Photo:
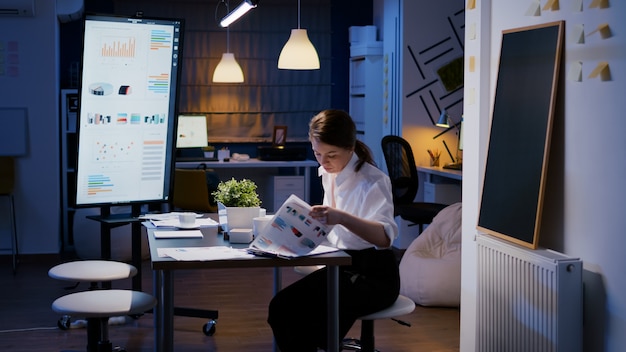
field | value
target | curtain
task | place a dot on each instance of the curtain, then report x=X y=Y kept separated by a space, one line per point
x=242 y=112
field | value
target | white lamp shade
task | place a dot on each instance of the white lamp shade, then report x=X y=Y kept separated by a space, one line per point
x=298 y=53
x=228 y=70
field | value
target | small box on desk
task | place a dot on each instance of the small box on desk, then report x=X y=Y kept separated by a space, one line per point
x=240 y=236
x=281 y=153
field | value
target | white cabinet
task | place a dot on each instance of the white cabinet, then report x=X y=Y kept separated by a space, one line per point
x=443 y=193
x=366 y=95
x=281 y=187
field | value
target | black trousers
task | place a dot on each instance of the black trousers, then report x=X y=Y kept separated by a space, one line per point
x=298 y=313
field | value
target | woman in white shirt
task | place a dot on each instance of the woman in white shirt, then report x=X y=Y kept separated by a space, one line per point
x=358 y=202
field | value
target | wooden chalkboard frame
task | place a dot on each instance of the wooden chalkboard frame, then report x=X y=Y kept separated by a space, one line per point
x=521 y=126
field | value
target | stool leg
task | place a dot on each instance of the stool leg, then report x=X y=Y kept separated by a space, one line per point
x=104 y=344
x=367 y=335
x=14 y=238
x=97 y=333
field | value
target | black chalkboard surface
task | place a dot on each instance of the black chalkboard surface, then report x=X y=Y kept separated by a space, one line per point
x=521 y=126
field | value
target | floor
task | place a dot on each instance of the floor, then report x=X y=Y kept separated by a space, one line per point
x=27 y=322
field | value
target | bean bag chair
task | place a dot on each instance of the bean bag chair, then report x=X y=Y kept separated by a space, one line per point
x=430 y=269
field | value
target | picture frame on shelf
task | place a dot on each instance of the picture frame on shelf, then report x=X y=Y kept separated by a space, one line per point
x=280 y=136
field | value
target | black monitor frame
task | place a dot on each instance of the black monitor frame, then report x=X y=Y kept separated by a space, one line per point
x=128 y=101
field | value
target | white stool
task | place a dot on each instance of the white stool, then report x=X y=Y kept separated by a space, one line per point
x=98 y=306
x=96 y=272
x=403 y=305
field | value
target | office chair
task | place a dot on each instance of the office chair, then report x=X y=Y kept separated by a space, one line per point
x=191 y=191
x=7 y=183
x=405 y=183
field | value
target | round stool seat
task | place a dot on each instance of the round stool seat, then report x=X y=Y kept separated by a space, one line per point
x=403 y=305
x=104 y=303
x=92 y=270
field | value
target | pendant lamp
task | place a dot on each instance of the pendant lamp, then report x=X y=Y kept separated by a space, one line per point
x=228 y=70
x=298 y=53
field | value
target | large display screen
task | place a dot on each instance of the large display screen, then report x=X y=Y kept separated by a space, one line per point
x=128 y=109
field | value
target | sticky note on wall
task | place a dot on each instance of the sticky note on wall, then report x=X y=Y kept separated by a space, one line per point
x=551 y=5
x=602 y=70
x=603 y=4
x=575 y=73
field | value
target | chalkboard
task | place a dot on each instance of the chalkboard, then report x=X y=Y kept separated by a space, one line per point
x=521 y=126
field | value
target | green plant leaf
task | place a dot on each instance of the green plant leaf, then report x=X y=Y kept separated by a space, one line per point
x=233 y=193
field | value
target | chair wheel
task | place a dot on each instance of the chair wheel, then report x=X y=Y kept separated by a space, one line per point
x=64 y=322
x=209 y=328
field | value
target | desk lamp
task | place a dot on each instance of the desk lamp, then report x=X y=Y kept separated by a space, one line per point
x=445 y=121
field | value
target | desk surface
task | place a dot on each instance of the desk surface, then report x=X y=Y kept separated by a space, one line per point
x=212 y=238
x=439 y=171
x=251 y=163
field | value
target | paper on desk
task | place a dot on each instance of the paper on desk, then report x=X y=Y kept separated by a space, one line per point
x=321 y=249
x=202 y=222
x=203 y=253
x=177 y=234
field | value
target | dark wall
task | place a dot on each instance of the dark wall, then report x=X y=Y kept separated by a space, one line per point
x=343 y=14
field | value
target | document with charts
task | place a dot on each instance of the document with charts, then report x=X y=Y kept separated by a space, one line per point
x=291 y=232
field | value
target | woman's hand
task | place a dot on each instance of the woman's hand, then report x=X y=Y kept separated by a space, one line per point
x=325 y=214
x=371 y=231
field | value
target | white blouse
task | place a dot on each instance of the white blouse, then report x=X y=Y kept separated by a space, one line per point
x=366 y=194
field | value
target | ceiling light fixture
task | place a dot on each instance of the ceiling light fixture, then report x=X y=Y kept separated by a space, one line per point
x=228 y=70
x=238 y=12
x=298 y=53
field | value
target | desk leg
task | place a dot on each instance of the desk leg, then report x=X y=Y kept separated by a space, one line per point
x=278 y=285
x=164 y=311
x=333 y=308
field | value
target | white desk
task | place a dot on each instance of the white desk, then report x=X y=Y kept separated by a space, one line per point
x=300 y=167
x=164 y=268
x=441 y=185
x=431 y=171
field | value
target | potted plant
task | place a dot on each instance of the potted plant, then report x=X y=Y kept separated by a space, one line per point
x=209 y=151
x=237 y=203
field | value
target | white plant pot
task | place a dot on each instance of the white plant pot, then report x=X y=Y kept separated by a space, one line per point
x=237 y=217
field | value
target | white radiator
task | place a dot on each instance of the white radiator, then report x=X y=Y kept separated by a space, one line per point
x=528 y=300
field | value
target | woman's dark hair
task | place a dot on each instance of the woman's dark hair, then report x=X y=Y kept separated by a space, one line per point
x=335 y=127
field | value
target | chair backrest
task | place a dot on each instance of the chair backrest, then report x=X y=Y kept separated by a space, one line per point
x=401 y=167
x=191 y=191
x=7 y=174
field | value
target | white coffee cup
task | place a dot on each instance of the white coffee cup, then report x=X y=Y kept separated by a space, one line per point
x=187 y=219
x=259 y=223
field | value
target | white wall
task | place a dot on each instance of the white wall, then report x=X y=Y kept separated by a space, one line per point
x=583 y=210
x=33 y=83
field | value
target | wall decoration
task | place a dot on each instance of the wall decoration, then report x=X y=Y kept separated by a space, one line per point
x=551 y=5
x=451 y=74
x=602 y=4
x=575 y=73
x=603 y=29
x=435 y=60
x=534 y=9
x=602 y=70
